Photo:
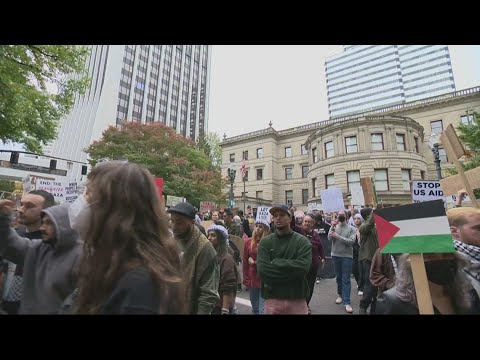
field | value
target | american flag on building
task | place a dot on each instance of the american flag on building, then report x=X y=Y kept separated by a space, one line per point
x=244 y=169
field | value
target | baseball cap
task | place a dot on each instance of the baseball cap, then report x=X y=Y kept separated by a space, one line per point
x=283 y=208
x=185 y=209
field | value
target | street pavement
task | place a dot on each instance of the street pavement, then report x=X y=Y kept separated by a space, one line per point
x=322 y=303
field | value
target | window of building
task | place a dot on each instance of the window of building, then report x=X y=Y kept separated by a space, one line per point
x=422 y=175
x=437 y=126
x=329 y=149
x=467 y=119
x=304 y=171
x=232 y=157
x=417 y=147
x=288 y=173
x=259 y=174
x=381 y=179
x=314 y=187
x=289 y=197
x=401 y=142
x=329 y=181
x=259 y=194
x=245 y=155
x=351 y=144
x=260 y=153
x=406 y=177
x=303 y=149
x=304 y=196
x=443 y=156
x=69 y=165
x=246 y=176
x=353 y=179
x=377 y=141
x=314 y=155
x=288 y=151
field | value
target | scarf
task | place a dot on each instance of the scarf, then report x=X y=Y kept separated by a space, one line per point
x=473 y=252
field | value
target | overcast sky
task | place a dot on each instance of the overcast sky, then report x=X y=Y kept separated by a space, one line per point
x=254 y=84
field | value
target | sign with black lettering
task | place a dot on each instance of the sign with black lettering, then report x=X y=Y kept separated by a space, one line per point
x=426 y=190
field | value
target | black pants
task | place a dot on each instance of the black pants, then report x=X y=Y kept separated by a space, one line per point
x=11 y=307
x=369 y=297
x=356 y=269
x=311 y=277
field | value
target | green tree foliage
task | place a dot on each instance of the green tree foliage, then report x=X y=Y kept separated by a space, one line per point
x=186 y=171
x=37 y=87
x=210 y=145
x=6 y=185
x=469 y=135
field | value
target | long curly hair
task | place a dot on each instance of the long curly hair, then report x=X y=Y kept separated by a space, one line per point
x=256 y=238
x=128 y=229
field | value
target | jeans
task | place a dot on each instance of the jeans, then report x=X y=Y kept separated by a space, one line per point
x=369 y=297
x=258 y=303
x=343 y=269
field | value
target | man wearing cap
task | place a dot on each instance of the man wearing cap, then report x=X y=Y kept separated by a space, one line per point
x=199 y=261
x=283 y=261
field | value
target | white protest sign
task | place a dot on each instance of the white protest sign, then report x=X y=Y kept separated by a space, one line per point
x=315 y=206
x=26 y=184
x=263 y=213
x=426 y=190
x=332 y=199
x=357 y=196
x=56 y=188
x=71 y=191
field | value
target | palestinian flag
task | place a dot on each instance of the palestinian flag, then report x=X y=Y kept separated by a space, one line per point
x=414 y=228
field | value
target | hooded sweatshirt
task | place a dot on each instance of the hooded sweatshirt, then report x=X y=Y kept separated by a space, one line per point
x=48 y=270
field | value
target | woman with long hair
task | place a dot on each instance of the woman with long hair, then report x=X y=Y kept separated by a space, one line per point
x=250 y=275
x=130 y=264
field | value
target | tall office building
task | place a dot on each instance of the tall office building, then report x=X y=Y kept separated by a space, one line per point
x=144 y=83
x=369 y=77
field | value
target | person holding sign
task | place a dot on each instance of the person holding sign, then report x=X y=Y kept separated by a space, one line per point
x=450 y=289
x=283 y=262
x=49 y=262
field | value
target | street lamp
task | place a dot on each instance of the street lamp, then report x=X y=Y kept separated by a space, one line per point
x=231 y=176
x=433 y=144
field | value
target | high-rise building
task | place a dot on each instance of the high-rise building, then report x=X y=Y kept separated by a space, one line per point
x=367 y=77
x=144 y=83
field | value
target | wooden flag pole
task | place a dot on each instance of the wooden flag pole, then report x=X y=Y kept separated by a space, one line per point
x=422 y=289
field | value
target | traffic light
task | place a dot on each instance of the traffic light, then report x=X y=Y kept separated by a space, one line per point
x=84 y=169
x=53 y=164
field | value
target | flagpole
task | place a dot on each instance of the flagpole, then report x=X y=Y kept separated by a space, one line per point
x=244 y=195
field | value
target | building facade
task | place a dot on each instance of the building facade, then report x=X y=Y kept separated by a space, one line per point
x=368 y=77
x=144 y=83
x=394 y=139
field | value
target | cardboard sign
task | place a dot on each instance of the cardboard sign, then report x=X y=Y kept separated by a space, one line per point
x=332 y=199
x=55 y=188
x=455 y=150
x=263 y=213
x=357 y=196
x=71 y=191
x=368 y=191
x=452 y=184
x=426 y=190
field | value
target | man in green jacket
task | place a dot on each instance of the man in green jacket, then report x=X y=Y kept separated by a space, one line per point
x=283 y=261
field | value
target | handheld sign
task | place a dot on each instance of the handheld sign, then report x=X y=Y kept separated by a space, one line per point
x=332 y=199
x=263 y=213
